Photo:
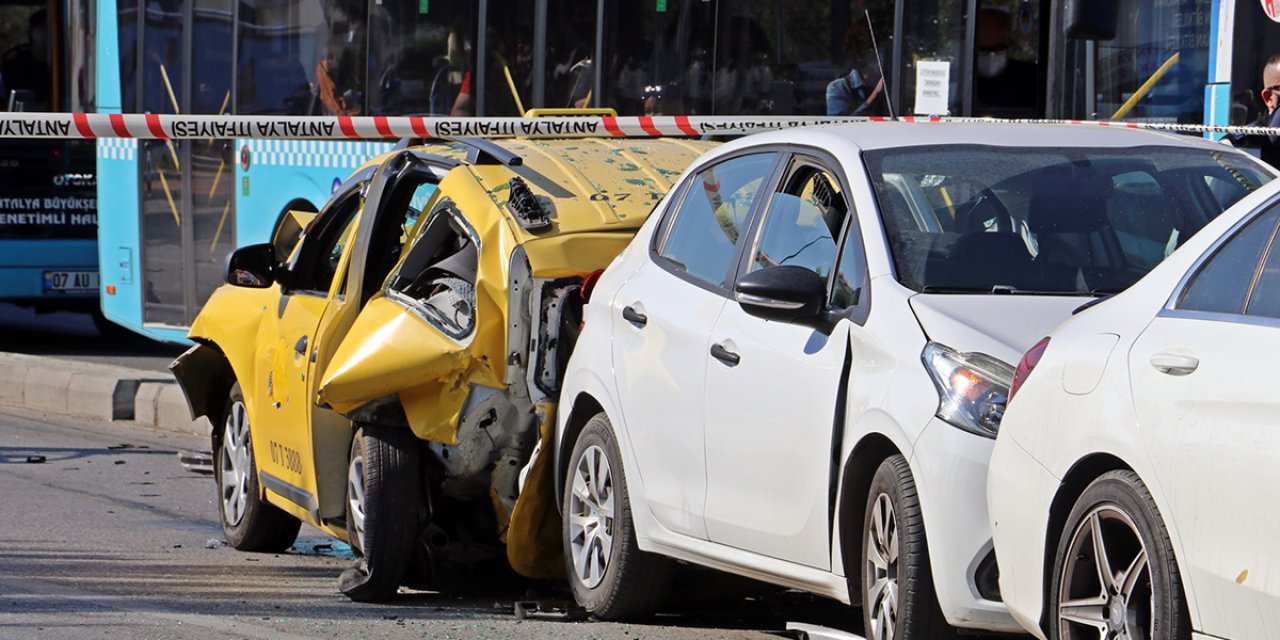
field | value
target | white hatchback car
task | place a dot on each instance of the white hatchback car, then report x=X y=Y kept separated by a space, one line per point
x=798 y=366
x=1133 y=486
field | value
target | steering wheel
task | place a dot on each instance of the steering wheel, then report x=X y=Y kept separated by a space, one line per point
x=967 y=220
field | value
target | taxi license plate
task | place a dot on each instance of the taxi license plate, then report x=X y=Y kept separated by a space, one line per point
x=71 y=281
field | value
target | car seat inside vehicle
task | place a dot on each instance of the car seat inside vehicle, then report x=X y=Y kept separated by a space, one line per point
x=1067 y=214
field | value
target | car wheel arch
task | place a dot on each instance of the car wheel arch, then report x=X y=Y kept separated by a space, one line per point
x=1073 y=485
x=855 y=482
x=585 y=406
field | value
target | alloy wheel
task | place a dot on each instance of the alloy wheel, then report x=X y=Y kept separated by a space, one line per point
x=591 y=516
x=1105 y=591
x=355 y=497
x=882 y=570
x=236 y=464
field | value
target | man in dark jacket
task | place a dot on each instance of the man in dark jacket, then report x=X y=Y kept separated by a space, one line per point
x=1269 y=145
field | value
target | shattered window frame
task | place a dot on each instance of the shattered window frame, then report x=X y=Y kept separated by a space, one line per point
x=444 y=206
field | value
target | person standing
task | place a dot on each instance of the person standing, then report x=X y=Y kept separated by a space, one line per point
x=1268 y=145
x=849 y=95
x=1005 y=86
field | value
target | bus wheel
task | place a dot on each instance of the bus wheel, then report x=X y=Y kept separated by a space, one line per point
x=383 y=494
x=248 y=522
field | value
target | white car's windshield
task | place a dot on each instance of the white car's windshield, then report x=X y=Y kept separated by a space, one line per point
x=1073 y=221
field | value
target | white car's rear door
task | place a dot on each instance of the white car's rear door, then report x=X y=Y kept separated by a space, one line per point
x=662 y=322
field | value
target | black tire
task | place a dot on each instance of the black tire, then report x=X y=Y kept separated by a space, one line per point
x=905 y=605
x=249 y=523
x=1119 y=508
x=392 y=507
x=631 y=582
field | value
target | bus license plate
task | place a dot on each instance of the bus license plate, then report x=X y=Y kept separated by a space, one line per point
x=71 y=281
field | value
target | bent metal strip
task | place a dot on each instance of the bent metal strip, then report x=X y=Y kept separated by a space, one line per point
x=196 y=127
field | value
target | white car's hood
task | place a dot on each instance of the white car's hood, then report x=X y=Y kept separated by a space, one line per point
x=1001 y=326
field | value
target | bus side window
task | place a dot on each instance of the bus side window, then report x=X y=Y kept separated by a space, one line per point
x=25 y=76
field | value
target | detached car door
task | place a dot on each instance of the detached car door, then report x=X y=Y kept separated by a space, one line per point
x=773 y=388
x=1208 y=402
x=662 y=321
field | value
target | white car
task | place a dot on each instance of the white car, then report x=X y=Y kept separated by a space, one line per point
x=798 y=366
x=1133 y=486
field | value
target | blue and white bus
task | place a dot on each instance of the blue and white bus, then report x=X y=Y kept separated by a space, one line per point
x=170 y=212
x=48 y=199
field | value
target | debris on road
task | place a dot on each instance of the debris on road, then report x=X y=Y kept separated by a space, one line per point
x=805 y=631
x=553 y=610
x=196 y=461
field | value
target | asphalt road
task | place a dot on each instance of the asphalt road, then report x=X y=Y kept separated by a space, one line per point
x=109 y=536
x=72 y=336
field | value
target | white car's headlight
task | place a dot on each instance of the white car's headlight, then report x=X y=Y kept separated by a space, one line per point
x=973 y=388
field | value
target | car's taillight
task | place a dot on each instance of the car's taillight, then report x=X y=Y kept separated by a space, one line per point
x=589 y=284
x=1025 y=366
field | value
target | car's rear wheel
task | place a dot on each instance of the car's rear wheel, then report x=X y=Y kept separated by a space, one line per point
x=1114 y=574
x=248 y=522
x=898 y=599
x=609 y=575
x=383 y=510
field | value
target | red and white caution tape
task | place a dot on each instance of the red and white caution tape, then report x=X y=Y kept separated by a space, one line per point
x=177 y=127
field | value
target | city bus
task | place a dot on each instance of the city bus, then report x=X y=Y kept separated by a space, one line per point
x=171 y=211
x=48 y=194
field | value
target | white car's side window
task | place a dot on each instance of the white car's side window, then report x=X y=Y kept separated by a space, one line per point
x=1264 y=300
x=701 y=239
x=803 y=223
x=1224 y=281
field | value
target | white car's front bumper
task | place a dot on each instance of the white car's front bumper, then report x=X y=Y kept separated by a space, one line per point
x=1019 y=495
x=950 y=469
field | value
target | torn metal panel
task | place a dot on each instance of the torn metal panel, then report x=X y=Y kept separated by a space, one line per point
x=386 y=351
x=534 y=546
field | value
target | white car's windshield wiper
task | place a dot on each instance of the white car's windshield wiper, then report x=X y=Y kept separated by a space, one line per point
x=1001 y=289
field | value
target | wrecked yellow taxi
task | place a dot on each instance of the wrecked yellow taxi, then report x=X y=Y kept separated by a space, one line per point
x=387 y=369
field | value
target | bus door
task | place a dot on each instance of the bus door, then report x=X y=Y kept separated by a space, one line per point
x=187 y=222
x=977 y=58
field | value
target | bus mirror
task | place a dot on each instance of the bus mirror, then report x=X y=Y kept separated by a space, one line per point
x=1090 y=19
x=252 y=266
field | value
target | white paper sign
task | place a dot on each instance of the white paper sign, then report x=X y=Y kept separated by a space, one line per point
x=933 y=87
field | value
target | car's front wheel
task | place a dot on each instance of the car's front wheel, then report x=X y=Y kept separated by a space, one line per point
x=1114 y=573
x=609 y=575
x=898 y=600
x=248 y=522
x=384 y=501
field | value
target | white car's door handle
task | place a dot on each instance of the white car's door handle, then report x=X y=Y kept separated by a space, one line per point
x=1174 y=364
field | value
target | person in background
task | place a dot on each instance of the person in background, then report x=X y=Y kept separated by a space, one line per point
x=849 y=95
x=1269 y=145
x=26 y=67
x=1003 y=83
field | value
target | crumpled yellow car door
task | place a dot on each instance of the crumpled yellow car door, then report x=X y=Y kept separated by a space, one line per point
x=389 y=351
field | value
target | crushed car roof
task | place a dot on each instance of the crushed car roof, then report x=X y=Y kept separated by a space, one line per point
x=584 y=185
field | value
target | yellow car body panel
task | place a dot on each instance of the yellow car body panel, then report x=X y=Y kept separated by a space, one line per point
x=301 y=397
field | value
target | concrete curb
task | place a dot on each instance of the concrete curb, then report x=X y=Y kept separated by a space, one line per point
x=102 y=392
